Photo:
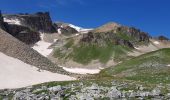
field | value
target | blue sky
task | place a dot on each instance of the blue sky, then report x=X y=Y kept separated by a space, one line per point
x=152 y=16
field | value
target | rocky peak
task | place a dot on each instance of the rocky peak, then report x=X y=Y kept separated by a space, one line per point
x=40 y=21
x=107 y=27
x=1 y=22
x=64 y=28
x=163 y=38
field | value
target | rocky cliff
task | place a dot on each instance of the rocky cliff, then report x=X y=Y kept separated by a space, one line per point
x=63 y=28
x=37 y=22
x=120 y=34
x=1 y=22
x=163 y=38
x=23 y=33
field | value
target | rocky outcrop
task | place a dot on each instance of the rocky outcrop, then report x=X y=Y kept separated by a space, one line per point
x=38 y=22
x=65 y=29
x=117 y=34
x=1 y=22
x=163 y=38
x=23 y=33
x=14 y=48
x=135 y=34
x=104 y=38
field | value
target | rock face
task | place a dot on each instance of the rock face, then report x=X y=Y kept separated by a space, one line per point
x=64 y=29
x=136 y=34
x=14 y=48
x=38 y=22
x=1 y=22
x=23 y=33
x=103 y=38
x=163 y=38
x=117 y=34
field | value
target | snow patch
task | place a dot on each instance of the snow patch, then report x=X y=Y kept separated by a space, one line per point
x=137 y=48
x=82 y=70
x=17 y=74
x=59 y=31
x=80 y=29
x=156 y=42
x=43 y=47
x=12 y=21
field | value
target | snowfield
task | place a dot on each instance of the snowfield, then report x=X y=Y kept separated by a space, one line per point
x=156 y=42
x=42 y=47
x=17 y=74
x=80 y=29
x=12 y=21
x=82 y=70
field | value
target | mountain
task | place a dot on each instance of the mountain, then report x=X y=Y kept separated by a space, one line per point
x=67 y=28
x=115 y=61
x=100 y=47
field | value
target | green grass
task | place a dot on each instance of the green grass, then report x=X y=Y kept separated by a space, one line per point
x=124 y=36
x=150 y=67
x=69 y=44
x=85 y=53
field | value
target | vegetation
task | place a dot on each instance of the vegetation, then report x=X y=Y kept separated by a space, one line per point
x=85 y=53
x=151 y=67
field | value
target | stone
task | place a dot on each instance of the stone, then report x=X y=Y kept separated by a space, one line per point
x=156 y=92
x=114 y=93
x=55 y=88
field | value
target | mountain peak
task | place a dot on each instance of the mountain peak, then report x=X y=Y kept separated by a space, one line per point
x=108 y=27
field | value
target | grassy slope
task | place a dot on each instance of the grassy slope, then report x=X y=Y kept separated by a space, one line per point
x=85 y=53
x=151 y=67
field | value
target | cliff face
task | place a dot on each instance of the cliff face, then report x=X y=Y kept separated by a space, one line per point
x=63 y=28
x=37 y=22
x=117 y=34
x=1 y=22
x=136 y=34
x=104 y=38
x=23 y=33
x=162 y=38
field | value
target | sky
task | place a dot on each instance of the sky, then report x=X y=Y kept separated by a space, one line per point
x=152 y=16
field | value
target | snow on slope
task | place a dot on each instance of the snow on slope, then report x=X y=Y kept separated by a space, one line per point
x=42 y=47
x=82 y=70
x=17 y=74
x=12 y=21
x=80 y=29
x=156 y=42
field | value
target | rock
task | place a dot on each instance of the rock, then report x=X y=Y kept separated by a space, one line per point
x=55 y=88
x=156 y=92
x=113 y=93
x=38 y=22
x=1 y=22
x=23 y=33
x=64 y=29
x=163 y=38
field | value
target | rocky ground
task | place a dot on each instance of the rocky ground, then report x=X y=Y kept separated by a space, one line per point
x=89 y=91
